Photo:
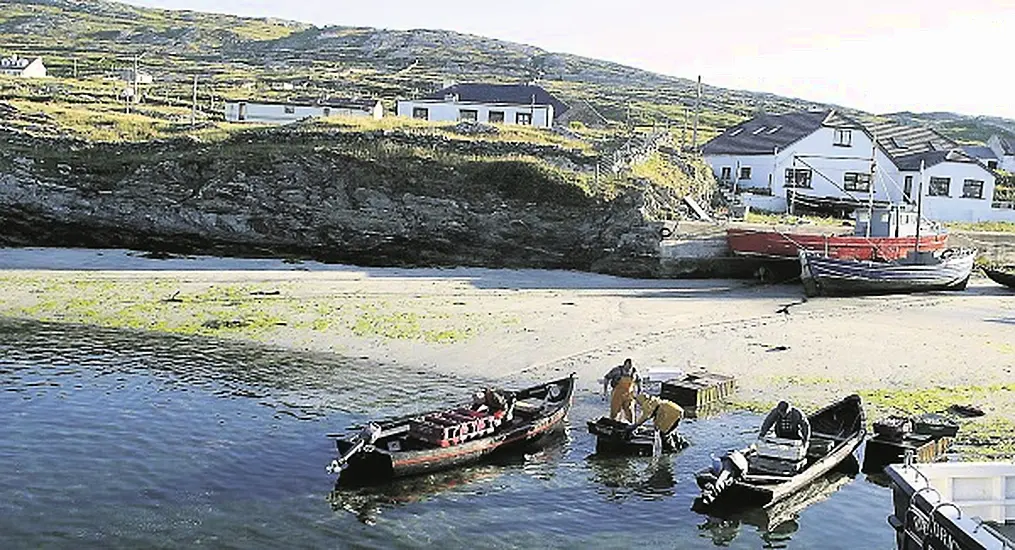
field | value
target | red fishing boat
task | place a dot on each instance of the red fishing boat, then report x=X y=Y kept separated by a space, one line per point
x=892 y=235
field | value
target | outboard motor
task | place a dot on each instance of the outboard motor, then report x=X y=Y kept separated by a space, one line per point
x=367 y=437
x=731 y=467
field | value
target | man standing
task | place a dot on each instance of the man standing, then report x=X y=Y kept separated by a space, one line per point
x=789 y=423
x=624 y=381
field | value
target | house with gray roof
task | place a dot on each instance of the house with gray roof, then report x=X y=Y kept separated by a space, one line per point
x=1004 y=148
x=522 y=104
x=826 y=161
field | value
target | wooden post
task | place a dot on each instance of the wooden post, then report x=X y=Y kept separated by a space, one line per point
x=697 y=115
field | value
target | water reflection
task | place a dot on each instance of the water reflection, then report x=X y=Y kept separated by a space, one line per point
x=622 y=477
x=777 y=523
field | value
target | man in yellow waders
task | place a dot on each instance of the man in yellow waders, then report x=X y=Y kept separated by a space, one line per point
x=665 y=417
x=624 y=380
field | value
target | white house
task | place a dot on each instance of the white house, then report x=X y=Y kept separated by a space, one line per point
x=1004 y=148
x=523 y=104
x=22 y=67
x=277 y=112
x=822 y=160
x=140 y=77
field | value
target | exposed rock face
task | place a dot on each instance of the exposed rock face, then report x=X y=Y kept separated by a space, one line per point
x=282 y=194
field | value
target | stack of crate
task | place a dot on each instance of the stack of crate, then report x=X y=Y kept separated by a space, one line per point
x=698 y=390
x=455 y=426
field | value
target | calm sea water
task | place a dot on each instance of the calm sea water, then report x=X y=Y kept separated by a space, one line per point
x=123 y=440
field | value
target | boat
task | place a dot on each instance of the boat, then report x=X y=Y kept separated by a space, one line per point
x=613 y=437
x=955 y=505
x=1002 y=275
x=446 y=438
x=920 y=272
x=925 y=438
x=890 y=239
x=836 y=432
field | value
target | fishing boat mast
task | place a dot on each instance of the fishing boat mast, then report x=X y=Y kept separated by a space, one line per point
x=871 y=187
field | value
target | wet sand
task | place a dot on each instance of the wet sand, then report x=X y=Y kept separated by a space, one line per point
x=918 y=351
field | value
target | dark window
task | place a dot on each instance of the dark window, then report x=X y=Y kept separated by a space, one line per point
x=939 y=187
x=726 y=173
x=798 y=177
x=496 y=117
x=992 y=164
x=468 y=114
x=327 y=111
x=523 y=118
x=844 y=138
x=289 y=109
x=243 y=112
x=855 y=181
x=421 y=113
x=972 y=189
x=745 y=172
x=907 y=188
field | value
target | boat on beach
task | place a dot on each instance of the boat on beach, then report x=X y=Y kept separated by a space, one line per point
x=954 y=506
x=920 y=272
x=892 y=235
x=1002 y=275
x=836 y=432
x=446 y=438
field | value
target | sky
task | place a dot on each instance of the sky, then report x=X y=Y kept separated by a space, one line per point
x=875 y=55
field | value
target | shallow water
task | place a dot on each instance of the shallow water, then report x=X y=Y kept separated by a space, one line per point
x=124 y=440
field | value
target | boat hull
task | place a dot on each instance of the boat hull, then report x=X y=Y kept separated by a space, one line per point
x=377 y=465
x=778 y=245
x=823 y=276
x=842 y=424
x=1004 y=277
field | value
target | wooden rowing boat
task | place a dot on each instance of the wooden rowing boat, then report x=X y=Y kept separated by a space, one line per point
x=836 y=432
x=822 y=276
x=443 y=439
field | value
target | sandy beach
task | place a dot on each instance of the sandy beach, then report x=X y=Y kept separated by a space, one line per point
x=900 y=352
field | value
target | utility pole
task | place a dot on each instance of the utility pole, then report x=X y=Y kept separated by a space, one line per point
x=75 y=68
x=193 y=106
x=697 y=109
x=683 y=132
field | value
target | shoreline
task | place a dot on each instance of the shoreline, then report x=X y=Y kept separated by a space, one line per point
x=900 y=353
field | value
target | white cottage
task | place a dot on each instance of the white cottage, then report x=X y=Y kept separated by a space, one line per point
x=22 y=67
x=822 y=160
x=523 y=104
x=276 y=112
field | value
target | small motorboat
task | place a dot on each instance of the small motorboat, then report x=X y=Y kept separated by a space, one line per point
x=614 y=437
x=446 y=438
x=1002 y=275
x=920 y=272
x=836 y=432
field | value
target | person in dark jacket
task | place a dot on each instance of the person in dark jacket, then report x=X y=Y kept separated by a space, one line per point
x=789 y=423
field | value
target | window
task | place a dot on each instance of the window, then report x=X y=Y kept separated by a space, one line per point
x=907 y=188
x=289 y=109
x=242 y=115
x=496 y=117
x=468 y=114
x=972 y=189
x=523 y=118
x=798 y=177
x=855 y=181
x=939 y=187
x=992 y=164
x=726 y=173
x=844 y=138
x=745 y=172
x=327 y=111
x=421 y=113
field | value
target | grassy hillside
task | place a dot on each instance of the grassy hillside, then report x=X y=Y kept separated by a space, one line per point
x=86 y=42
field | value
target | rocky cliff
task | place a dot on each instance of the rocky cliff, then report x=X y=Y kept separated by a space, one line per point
x=379 y=198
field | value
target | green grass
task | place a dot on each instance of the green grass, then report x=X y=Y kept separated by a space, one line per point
x=991 y=227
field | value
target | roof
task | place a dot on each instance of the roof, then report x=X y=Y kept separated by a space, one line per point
x=15 y=62
x=911 y=163
x=514 y=94
x=981 y=152
x=1007 y=145
x=899 y=140
x=337 y=103
x=763 y=133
